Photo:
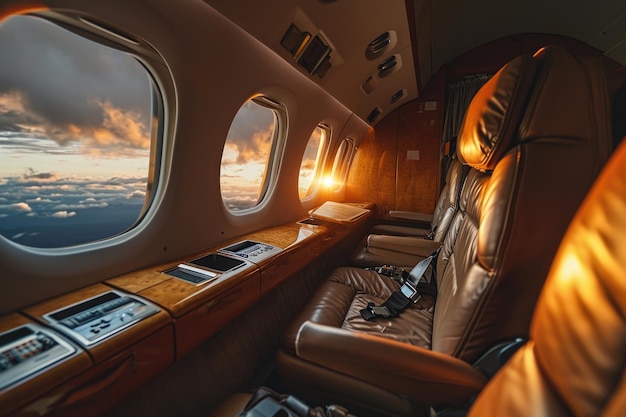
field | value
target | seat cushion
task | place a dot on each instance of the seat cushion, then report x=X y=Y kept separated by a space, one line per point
x=340 y=298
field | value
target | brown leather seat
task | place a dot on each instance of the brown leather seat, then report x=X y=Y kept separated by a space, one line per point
x=535 y=135
x=406 y=246
x=573 y=364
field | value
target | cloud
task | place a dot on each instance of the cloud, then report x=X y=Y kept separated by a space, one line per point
x=57 y=86
x=42 y=200
x=137 y=194
x=250 y=135
x=39 y=177
x=79 y=206
x=20 y=207
x=64 y=214
x=240 y=202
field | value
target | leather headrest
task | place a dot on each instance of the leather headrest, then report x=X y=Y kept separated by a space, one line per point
x=491 y=120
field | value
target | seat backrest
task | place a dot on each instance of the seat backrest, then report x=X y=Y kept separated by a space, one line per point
x=573 y=364
x=448 y=202
x=536 y=135
x=396 y=245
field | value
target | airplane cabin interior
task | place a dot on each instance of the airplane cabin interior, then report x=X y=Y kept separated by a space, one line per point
x=312 y=208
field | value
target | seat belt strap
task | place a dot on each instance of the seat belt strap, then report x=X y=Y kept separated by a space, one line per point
x=409 y=292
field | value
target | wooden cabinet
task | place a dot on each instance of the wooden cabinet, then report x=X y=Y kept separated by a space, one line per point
x=22 y=392
x=288 y=264
x=199 y=324
x=102 y=373
x=95 y=391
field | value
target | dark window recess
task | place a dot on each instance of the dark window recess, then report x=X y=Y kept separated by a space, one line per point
x=324 y=67
x=188 y=276
x=217 y=262
x=294 y=39
x=374 y=114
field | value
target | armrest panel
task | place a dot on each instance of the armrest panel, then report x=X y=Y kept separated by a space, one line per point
x=422 y=375
x=411 y=215
x=402 y=244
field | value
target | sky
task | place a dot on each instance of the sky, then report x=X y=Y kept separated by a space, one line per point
x=245 y=154
x=75 y=120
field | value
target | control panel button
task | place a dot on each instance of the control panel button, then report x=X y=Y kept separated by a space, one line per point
x=28 y=349
x=97 y=318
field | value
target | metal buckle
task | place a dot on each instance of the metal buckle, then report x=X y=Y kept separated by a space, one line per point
x=379 y=311
x=387 y=270
x=410 y=292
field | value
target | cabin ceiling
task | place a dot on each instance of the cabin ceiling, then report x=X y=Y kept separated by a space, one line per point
x=444 y=30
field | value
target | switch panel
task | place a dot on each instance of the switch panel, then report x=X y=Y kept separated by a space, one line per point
x=28 y=349
x=95 y=319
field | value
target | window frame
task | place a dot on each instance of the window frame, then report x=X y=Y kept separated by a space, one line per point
x=320 y=162
x=342 y=161
x=143 y=54
x=275 y=153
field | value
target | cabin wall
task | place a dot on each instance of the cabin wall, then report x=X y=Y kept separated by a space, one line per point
x=382 y=173
x=202 y=98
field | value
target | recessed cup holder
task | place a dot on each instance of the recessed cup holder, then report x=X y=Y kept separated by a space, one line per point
x=313 y=221
x=218 y=262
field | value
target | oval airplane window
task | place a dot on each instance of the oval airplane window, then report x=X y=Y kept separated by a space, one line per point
x=78 y=134
x=247 y=159
x=312 y=161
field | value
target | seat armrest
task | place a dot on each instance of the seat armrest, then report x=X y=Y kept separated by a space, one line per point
x=395 y=230
x=402 y=244
x=411 y=215
x=422 y=375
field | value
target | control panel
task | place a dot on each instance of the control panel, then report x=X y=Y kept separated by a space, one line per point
x=97 y=318
x=251 y=250
x=28 y=349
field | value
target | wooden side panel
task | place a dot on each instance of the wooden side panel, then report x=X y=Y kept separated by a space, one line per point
x=116 y=342
x=418 y=137
x=201 y=323
x=28 y=390
x=287 y=265
x=373 y=171
x=95 y=391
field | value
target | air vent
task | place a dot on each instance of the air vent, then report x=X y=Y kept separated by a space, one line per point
x=387 y=66
x=314 y=55
x=374 y=114
x=378 y=46
x=398 y=95
x=369 y=84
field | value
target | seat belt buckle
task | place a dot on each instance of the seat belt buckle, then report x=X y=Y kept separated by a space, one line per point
x=379 y=311
x=372 y=311
x=388 y=270
x=409 y=291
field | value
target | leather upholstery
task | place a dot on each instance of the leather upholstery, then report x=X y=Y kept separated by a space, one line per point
x=573 y=364
x=491 y=120
x=398 y=250
x=529 y=176
x=393 y=246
